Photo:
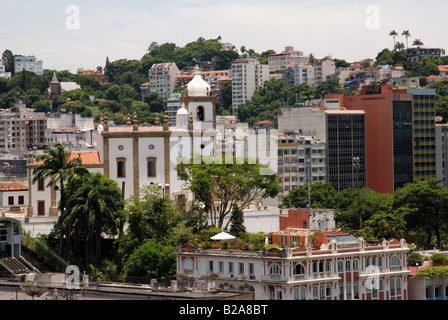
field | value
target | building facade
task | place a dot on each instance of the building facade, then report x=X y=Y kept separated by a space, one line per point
x=28 y=63
x=278 y=62
x=247 y=76
x=342 y=267
x=343 y=132
x=135 y=156
x=162 y=78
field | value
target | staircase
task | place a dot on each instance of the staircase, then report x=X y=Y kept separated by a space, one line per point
x=17 y=266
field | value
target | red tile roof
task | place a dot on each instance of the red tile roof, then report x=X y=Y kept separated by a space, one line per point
x=14 y=186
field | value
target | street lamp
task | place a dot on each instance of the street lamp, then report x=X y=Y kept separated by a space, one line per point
x=166 y=187
x=357 y=165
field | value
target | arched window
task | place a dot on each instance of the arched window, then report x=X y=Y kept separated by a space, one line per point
x=347 y=265
x=394 y=261
x=275 y=269
x=340 y=266
x=355 y=265
x=188 y=265
x=322 y=292
x=299 y=269
x=200 y=113
x=315 y=292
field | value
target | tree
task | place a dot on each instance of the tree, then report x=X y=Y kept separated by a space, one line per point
x=151 y=215
x=237 y=221
x=425 y=206
x=218 y=186
x=8 y=60
x=393 y=34
x=399 y=46
x=321 y=194
x=59 y=167
x=417 y=43
x=407 y=35
x=94 y=208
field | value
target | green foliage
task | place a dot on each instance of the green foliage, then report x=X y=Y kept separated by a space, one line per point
x=415 y=258
x=432 y=273
x=237 y=221
x=229 y=181
x=153 y=259
x=321 y=194
x=439 y=259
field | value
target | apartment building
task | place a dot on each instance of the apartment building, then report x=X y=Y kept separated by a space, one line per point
x=247 y=75
x=22 y=128
x=323 y=69
x=441 y=152
x=330 y=265
x=3 y=73
x=298 y=74
x=162 y=78
x=301 y=160
x=28 y=63
x=278 y=62
x=173 y=104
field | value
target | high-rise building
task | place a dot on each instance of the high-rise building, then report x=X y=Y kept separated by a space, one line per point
x=400 y=134
x=343 y=132
x=247 y=75
x=279 y=61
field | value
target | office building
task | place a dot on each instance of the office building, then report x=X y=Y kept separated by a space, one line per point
x=162 y=78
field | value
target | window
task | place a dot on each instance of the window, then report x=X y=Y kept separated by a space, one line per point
x=328 y=290
x=10 y=201
x=188 y=265
x=200 y=113
x=40 y=185
x=398 y=286
x=275 y=269
x=315 y=292
x=210 y=266
x=241 y=268
x=355 y=265
x=221 y=266
x=340 y=266
x=21 y=200
x=322 y=292
x=392 y=287
x=299 y=269
x=347 y=265
x=121 y=168
x=231 y=267
x=41 y=208
x=151 y=167
x=394 y=261
x=251 y=268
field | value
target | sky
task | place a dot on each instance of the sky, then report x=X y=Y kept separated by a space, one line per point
x=66 y=35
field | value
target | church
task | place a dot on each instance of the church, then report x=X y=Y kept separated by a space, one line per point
x=135 y=156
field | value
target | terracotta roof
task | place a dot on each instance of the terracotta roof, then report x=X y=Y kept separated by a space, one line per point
x=87 y=157
x=264 y=122
x=14 y=186
x=443 y=68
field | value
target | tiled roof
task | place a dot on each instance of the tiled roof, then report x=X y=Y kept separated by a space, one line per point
x=14 y=186
x=91 y=157
x=443 y=68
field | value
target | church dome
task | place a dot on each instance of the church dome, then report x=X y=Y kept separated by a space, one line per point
x=182 y=116
x=182 y=110
x=198 y=87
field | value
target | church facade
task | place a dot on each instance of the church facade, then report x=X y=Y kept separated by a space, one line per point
x=135 y=156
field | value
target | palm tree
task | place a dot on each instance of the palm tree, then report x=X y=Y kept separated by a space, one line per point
x=393 y=34
x=58 y=165
x=399 y=46
x=407 y=35
x=93 y=208
x=417 y=43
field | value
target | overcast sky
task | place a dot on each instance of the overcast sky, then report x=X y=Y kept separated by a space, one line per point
x=348 y=29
